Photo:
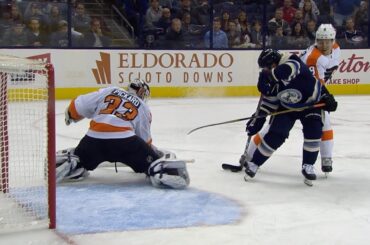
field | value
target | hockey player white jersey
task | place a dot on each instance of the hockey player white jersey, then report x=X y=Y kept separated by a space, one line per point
x=114 y=113
x=321 y=66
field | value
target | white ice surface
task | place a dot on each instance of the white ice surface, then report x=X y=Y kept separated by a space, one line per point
x=278 y=207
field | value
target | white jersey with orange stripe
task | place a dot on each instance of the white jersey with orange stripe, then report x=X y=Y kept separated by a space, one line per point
x=114 y=113
x=319 y=63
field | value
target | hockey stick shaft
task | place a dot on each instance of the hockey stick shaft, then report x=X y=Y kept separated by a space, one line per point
x=260 y=116
x=235 y=168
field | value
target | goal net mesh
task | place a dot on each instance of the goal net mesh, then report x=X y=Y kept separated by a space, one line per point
x=24 y=143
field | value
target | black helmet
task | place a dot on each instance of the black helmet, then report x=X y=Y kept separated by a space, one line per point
x=268 y=57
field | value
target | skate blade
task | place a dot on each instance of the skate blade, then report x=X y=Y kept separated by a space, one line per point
x=247 y=178
x=308 y=182
x=326 y=174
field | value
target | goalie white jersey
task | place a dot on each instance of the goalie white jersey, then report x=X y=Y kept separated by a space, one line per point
x=321 y=66
x=114 y=113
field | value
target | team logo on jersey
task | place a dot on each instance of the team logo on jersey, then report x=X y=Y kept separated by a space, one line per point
x=102 y=73
x=290 y=96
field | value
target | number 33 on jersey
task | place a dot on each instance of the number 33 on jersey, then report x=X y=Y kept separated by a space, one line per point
x=114 y=113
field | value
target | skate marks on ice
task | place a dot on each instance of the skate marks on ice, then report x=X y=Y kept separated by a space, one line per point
x=94 y=208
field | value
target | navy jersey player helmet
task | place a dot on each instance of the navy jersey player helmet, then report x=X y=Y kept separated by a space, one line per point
x=139 y=88
x=268 y=57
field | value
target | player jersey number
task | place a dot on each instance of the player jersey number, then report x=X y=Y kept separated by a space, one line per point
x=114 y=103
x=313 y=70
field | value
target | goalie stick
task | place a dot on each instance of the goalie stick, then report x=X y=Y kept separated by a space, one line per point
x=260 y=116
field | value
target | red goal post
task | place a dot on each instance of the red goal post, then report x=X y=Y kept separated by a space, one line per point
x=27 y=144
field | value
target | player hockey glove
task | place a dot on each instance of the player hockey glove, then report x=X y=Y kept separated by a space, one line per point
x=330 y=103
x=266 y=84
x=254 y=125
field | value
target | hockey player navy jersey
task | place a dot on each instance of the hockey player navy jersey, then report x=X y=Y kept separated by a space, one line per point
x=293 y=83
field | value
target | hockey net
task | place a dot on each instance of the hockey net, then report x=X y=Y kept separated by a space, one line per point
x=27 y=144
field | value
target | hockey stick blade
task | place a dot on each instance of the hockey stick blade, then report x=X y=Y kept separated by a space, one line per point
x=231 y=167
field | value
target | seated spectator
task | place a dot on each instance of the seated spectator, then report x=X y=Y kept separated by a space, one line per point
x=165 y=21
x=343 y=9
x=60 y=38
x=201 y=13
x=311 y=30
x=95 y=37
x=54 y=18
x=153 y=14
x=256 y=34
x=15 y=13
x=80 y=20
x=175 y=35
x=219 y=36
x=246 y=42
x=326 y=15
x=233 y=35
x=298 y=39
x=308 y=12
x=188 y=27
x=34 y=11
x=288 y=11
x=362 y=17
x=16 y=36
x=245 y=27
x=351 y=35
x=225 y=18
x=278 y=40
x=314 y=6
x=278 y=21
x=185 y=7
x=298 y=17
x=5 y=23
x=36 y=36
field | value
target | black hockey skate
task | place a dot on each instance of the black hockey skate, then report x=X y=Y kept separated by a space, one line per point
x=309 y=174
x=326 y=165
x=250 y=170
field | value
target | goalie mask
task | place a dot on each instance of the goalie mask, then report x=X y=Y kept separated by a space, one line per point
x=169 y=174
x=139 y=88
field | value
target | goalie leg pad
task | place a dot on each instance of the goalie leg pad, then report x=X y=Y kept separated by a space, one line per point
x=169 y=174
x=67 y=166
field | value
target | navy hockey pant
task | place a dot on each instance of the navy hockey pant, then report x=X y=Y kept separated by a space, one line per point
x=280 y=127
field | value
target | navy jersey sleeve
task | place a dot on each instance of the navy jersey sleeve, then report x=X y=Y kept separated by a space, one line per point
x=287 y=71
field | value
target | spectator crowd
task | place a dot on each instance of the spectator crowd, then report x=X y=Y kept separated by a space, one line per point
x=185 y=24
x=45 y=24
